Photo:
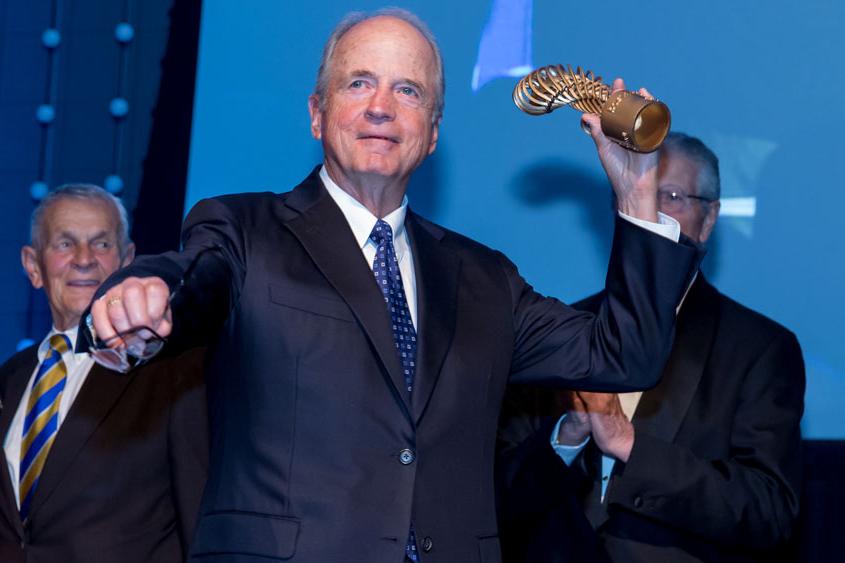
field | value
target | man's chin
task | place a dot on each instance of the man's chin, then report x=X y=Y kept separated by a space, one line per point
x=81 y=299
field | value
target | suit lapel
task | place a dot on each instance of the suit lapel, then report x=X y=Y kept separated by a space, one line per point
x=324 y=232
x=594 y=509
x=14 y=391
x=437 y=272
x=96 y=398
x=662 y=410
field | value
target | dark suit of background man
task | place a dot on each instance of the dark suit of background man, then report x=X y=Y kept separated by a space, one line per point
x=355 y=383
x=711 y=470
x=99 y=466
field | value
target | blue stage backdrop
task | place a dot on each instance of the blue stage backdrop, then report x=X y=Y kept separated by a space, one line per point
x=758 y=81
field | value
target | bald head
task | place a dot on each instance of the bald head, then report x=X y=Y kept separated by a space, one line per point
x=355 y=19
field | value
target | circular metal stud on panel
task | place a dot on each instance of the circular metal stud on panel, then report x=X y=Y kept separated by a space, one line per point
x=124 y=32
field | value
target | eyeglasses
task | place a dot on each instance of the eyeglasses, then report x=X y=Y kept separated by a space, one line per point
x=672 y=200
x=137 y=345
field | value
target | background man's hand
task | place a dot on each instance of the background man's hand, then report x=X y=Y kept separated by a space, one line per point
x=133 y=303
x=633 y=175
x=575 y=429
x=612 y=431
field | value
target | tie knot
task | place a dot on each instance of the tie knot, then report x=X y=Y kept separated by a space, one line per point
x=381 y=232
x=60 y=343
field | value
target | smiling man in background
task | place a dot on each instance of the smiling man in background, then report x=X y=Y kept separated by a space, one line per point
x=99 y=466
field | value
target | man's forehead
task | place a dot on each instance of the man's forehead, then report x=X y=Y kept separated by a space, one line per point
x=383 y=40
x=75 y=215
x=381 y=27
x=675 y=163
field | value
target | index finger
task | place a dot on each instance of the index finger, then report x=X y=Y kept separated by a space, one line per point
x=618 y=84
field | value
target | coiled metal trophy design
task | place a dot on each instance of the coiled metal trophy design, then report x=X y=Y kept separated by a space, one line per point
x=627 y=118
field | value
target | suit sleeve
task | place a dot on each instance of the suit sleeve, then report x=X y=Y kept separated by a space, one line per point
x=749 y=498
x=204 y=278
x=625 y=344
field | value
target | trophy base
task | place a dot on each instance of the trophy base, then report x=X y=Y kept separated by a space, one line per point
x=636 y=123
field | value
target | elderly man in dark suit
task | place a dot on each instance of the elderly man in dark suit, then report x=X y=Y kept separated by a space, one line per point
x=98 y=466
x=359 y=353
x=710 y=469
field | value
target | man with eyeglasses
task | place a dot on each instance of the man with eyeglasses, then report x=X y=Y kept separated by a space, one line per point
x=711 y=465
x=100 y=466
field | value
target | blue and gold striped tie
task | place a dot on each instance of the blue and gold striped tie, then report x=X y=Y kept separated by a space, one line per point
x=42 y=418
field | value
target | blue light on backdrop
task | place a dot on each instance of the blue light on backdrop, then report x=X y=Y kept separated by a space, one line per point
x=752 y=79
x=505 y=46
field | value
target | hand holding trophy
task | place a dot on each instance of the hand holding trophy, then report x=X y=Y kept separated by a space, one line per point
x=629 y=119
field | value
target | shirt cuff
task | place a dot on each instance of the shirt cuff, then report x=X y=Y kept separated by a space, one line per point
x=564 y=452
x=666 y=226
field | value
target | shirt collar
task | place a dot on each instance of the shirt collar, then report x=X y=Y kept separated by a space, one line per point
x=45 y=344
x=360 y=219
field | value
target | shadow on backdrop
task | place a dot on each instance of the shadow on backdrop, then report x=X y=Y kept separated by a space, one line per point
x=552 y=181
x=426 y=187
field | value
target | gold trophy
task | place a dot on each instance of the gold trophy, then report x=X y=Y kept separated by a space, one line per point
x=627 y=118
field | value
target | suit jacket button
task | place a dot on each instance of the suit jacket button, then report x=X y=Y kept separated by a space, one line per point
x=638 y=502
x=427 y=544
x=407 y=457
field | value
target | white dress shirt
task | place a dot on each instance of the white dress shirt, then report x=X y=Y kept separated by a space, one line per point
x=361 y=221
x=78 y=366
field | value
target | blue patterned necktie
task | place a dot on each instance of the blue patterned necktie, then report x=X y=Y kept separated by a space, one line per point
x=42 y=418
x=386 y=270
x=389 y=280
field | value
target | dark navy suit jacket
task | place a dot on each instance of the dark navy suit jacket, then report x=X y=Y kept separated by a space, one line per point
x=124 y=477
x=308 y=412
x=715 y=471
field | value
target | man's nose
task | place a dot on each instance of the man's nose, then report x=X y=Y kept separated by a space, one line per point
x=83 y=258
x=381 y=106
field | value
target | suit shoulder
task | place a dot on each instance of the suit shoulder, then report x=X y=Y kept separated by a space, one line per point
x=18 y=360
x=244 y=209
x=240 y=202
x=737 y=314
x=460 y=243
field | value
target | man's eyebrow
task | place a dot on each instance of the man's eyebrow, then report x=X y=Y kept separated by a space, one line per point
x=66 y=234
x=362 y=73
x=101 y=234
x=69 y=235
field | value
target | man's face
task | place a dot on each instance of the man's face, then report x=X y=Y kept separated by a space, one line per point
x=677 y=173
x=377 y=118
x=78 y=250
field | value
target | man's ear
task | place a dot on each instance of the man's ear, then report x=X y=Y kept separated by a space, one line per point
x=435 y=134
x=316 y=116
x=29 y=260
x=128 y=255
x=709 y=221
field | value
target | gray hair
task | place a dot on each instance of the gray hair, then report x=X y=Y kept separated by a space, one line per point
x=354 y=18
x=79 y=191
x=709 y=184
